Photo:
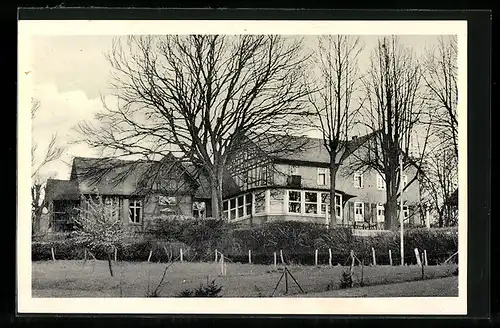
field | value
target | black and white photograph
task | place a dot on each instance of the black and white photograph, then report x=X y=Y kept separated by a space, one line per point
x=287 y=167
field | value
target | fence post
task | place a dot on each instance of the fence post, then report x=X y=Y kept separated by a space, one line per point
x=250 y=256
x=181 y=255
x=390 y=257
x=275 y=260
x=216 y=258
x=425 y=257
x=374 y=257
x=330 y=257
x=282 y=258
x=316 y=257
x=53 y=254
x=222 y=265
x=116 y=254
x=150 y=253
x=417 y=256
x=422 y=265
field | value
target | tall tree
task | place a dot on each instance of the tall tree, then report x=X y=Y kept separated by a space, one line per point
x=201 y=97
x=440 y=181
x=442 y=89
x=337 y=62
x=394 y=113
x=52 y=153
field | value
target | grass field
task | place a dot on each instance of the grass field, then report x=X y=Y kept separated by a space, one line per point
x=73 y=279
x=447 y=287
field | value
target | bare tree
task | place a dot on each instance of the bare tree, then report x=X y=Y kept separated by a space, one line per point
x=394 y=114
x=442 y=89
x=200 y=97
x=440 y=181
x=52 y=153
x=337 y=61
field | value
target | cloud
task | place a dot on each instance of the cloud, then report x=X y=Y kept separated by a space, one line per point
x=60 y=113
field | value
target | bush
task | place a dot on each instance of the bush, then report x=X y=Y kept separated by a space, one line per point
x=345 y=280
x=207 y=290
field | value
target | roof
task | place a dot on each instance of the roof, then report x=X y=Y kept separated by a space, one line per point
x=61 y=190
x=111 y=176
x=309 y=149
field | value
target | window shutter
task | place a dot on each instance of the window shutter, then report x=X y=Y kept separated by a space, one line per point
x=350 y=216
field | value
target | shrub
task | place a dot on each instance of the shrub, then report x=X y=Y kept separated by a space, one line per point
x=345 y=279
x=207 y=290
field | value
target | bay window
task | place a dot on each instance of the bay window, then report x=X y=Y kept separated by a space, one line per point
x=294 y=201
x=311 y=202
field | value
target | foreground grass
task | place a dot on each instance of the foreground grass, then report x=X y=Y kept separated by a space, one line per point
x=73 y=279
x=439 y=287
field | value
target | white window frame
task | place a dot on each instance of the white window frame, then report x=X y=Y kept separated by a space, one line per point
x=380 y=182
x=362 y=212
x=135 y=204
x=322 y=172
x=240 y=206
x=311 y=203
x=300 y=201
x=360 y=176
x=337 y=204
x=380 y=217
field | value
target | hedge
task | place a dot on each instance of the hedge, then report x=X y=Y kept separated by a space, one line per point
x=298 y=241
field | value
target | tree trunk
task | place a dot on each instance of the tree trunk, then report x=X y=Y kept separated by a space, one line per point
x=216 y=194
x=391 y=212
x=109 y=264
x=333 y=178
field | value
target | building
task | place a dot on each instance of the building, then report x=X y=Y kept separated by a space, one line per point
x=296 y=185
x=125 y=188
x=259 y=186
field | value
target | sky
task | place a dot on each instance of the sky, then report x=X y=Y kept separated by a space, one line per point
x=70 y=73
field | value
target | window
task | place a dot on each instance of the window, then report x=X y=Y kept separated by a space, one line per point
x=380 y=213
x=241 y=206
x=260 y=202
x=112 y=208
x=338 y=206
x=406 y=212
x=358 y=211
x=294 y=200
x=232 y=208
x=225 y=208
x=358 y=180
x=325 y=203
x=199 y=209
x=248 y=204
x=311 y=202
x=380 y=182
x=135 y=210
x=321 y=177
x=167 y=205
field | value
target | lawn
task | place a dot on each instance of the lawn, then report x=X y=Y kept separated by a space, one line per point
x=447 y=287
x=73 y=279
